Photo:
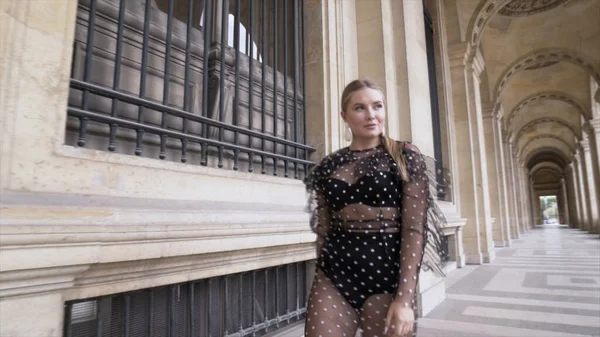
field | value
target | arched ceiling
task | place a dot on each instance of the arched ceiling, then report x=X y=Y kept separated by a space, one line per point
x=545 y=155
x=546 y=176
x=547 y=166
x=539 y=57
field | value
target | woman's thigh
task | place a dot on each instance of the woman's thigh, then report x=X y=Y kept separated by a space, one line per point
x=374 y=313
x=328 y=312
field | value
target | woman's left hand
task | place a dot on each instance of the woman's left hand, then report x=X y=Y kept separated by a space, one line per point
x=400 y=320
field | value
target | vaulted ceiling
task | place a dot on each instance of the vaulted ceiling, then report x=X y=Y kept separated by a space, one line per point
x=541 y=57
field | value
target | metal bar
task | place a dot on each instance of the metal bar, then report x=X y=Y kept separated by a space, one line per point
x=225 y=300
x=268 y=323
x=276 y=269
x=251 y=86
x=263 y=82
x=106 y=92
x=303 y=47
x=171 y=310
x=150 y=313
x=275 y=73
x=127 y=315
x=266 y=295
x=285 y=84
x=296 y=60
x=208 y=307
x=287 y=291
x=175 y=134
x=236 y=103
x=192 y=322
x=143 y=76
x=206 y=26
x=253 y=297
x=167 y=75
x=186 y=81
x=298 y=283
x=99 y=315
x=117 y=74
x=224 y=24
x=241 y=296
x=67 y=331
x=89 y=51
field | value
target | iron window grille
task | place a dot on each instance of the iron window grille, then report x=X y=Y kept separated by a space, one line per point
x=213 y=82
x=245 y=304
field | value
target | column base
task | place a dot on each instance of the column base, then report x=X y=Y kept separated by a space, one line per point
x=475 y=258
x=488 y=256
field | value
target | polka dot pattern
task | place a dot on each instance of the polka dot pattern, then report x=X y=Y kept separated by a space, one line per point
x=371 y=238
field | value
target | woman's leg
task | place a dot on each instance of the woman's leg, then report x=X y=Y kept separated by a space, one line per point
x=328 y=313
x=374 y=313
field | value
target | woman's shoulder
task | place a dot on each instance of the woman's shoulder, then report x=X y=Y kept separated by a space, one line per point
x=408 y=146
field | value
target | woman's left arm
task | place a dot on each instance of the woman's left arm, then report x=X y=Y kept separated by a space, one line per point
x=414 y=204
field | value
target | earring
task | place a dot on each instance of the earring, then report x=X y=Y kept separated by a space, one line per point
x=383 y=129
x=348 y=133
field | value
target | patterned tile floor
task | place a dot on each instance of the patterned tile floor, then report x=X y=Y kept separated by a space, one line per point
x=546 y=284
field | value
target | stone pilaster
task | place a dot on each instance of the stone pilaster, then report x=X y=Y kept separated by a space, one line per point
x=566 y=203
x=592 y=184
x=576 y=196
x=513 y=186
x=472 y=165
x=496 y=187
x=583 y=200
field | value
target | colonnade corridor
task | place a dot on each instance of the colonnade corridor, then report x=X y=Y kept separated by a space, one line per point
x=547 y=284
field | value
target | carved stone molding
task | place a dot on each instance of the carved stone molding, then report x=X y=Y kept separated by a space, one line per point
x=547 y=136
x=543 y=56
x=539 y=121
x=520 y=8
x=550 y=95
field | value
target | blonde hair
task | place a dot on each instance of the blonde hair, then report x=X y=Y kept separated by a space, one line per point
x=391 y=146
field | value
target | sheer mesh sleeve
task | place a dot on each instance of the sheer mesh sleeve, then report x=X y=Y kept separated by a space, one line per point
x=317 y=204
x=414 y=203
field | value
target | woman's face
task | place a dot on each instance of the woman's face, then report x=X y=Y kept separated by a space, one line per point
x=365 y=113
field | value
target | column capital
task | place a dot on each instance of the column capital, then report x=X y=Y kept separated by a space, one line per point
x=456 y=54
x=588 y=128
x=595 y=124
x=585 y=144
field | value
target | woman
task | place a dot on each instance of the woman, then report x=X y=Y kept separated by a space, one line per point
x=370 y=207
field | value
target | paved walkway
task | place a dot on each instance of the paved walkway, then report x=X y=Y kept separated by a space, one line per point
x=547 y=284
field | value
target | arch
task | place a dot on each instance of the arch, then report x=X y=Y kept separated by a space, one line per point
x=546 y=165
x=538 y=121
x=546 y=154
x=546 y=55
x=558 y=174
x=547 y=95
x=485 y=10
x=544 y=137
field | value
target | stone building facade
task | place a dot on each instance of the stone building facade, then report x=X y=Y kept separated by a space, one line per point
x=150 y=176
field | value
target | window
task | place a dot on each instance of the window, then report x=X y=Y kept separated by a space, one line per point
x=253 y=303
x=151 y=79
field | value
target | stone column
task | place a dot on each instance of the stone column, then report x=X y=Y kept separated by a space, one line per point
x=583 y=200
x=472 y=167
x=535 y=204
x=397 y=30
x=526 y=205
x=565 y=200
x=515 y=232
x=574 y=177
x=497 y=207
x=592 y=185
x=505 y=202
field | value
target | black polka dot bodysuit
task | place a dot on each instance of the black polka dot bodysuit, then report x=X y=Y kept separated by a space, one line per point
x=370 y=228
